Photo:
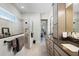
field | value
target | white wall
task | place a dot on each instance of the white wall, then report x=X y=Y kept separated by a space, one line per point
x=44 y=15
x=35 y=17
x=11 y=8
x=15 y=27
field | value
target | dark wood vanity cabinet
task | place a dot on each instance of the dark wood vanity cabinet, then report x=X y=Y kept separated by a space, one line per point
x=49 y=45
x=53 y=49
x=58 y=51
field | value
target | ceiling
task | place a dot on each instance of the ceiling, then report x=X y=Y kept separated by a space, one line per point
x=33 y=7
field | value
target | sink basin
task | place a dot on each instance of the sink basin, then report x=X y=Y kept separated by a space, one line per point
x=71 y=47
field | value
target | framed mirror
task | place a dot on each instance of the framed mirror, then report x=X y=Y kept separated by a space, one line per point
x=5 y=32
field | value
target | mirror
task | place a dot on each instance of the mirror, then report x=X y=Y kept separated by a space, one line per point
x=5 y=32
x=72 y=17
x=76 y=17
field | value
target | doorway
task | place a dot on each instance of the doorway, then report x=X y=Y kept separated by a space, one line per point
x=43 y=29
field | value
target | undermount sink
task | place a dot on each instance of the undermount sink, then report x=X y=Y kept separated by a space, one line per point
x=70 y=47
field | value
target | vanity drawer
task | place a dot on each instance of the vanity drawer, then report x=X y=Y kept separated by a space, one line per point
x=49 y=44
x=56 y=53
x=61 y=52
x=50 y=52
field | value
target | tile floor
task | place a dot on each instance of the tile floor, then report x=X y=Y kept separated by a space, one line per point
x=36 y=50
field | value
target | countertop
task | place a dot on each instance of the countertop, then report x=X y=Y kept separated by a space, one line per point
x=11 y=35
x=59 y=42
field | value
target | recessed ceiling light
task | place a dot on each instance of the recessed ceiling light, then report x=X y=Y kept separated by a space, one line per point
x=22 y=6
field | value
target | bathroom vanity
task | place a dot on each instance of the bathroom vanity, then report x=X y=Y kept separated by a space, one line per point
x=62 y=47
x=57 y=45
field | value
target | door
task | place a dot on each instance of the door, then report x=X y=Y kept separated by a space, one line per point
x=43 y=29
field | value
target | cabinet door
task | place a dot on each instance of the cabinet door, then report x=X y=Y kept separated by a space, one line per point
x=21 y=42
x=56 y=53
x=69 y=18
x=61 y=18
x=50 y=47
x=60 y=51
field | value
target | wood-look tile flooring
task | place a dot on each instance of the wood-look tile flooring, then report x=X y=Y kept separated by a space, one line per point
x=36 y=50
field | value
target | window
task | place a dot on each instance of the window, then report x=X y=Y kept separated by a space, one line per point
x=7 y=15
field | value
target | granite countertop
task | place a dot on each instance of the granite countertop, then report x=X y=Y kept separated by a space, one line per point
x=11 y=35
x=60 y=42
